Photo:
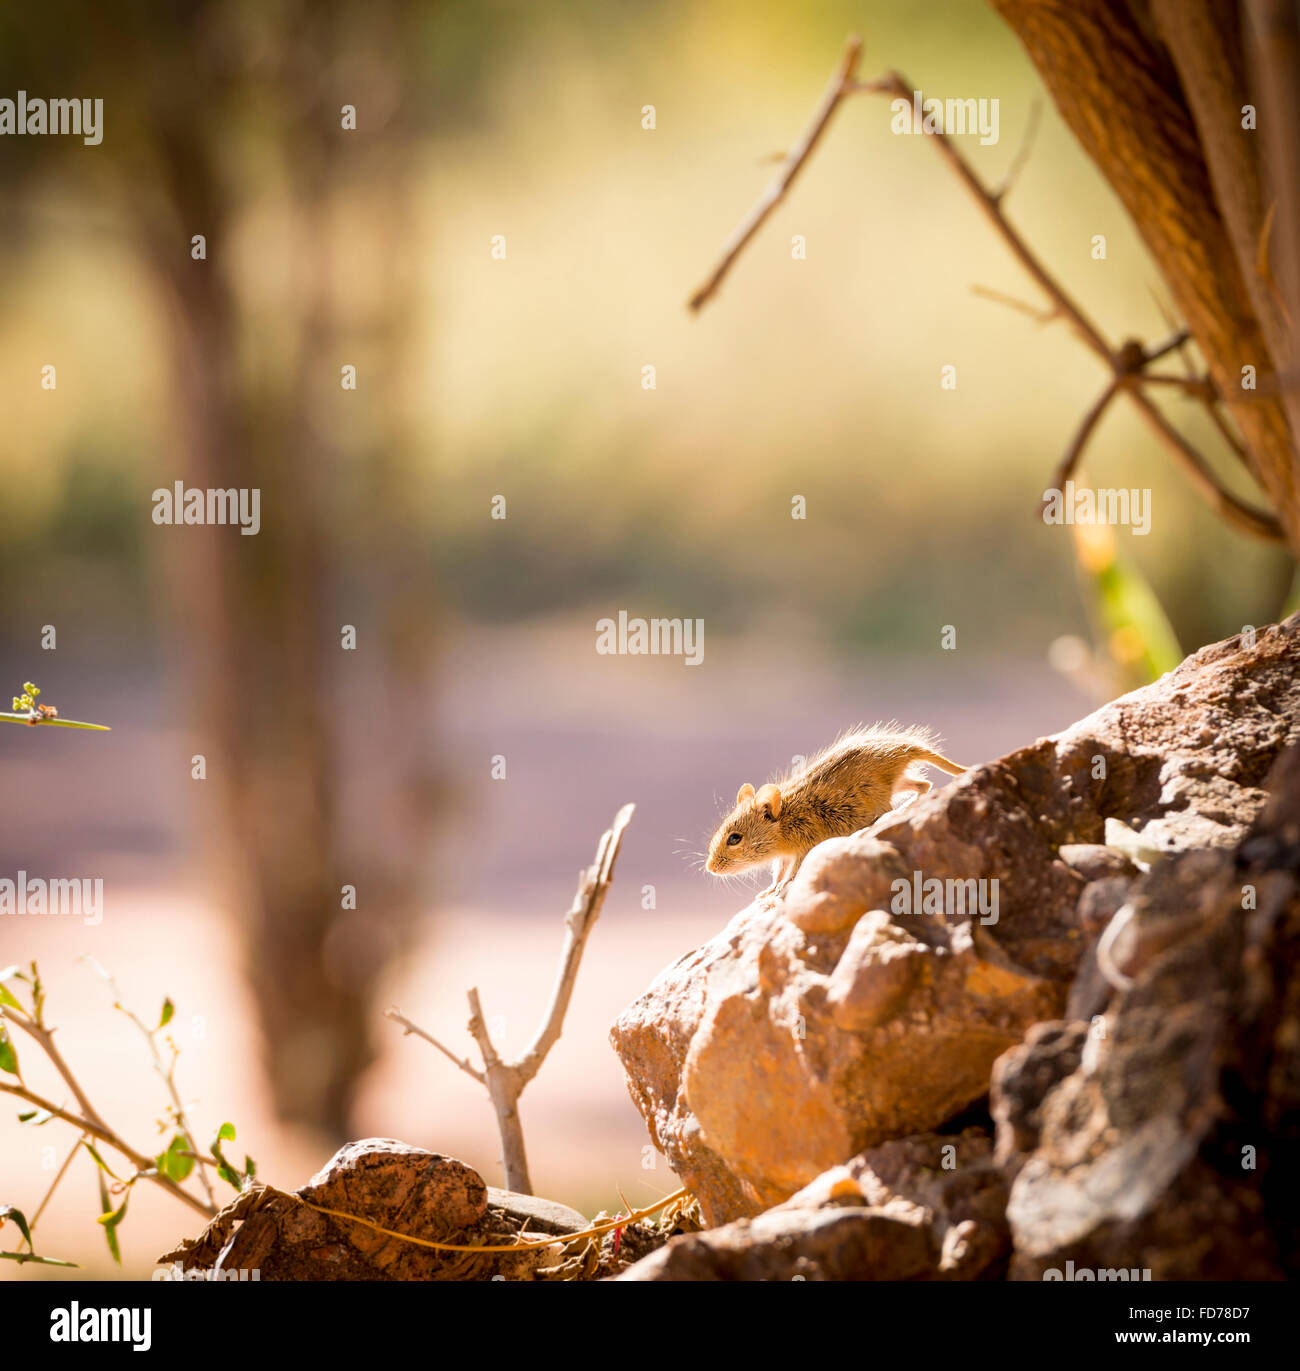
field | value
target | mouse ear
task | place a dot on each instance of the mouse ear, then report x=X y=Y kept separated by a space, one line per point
x=769 y=800
x=746 y=792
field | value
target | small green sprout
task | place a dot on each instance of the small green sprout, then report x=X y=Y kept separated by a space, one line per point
x=27 y=711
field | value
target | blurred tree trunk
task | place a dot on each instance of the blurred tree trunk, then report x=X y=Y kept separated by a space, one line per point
x=259 y=619
x=251 y=617
x=1154 y=90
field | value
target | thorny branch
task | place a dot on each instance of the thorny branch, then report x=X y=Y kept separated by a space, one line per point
x=505 y=1080
x=1127 y=364
x=841 y=84
x=54 y=1184
x=89 y=1121
x=168 y=1074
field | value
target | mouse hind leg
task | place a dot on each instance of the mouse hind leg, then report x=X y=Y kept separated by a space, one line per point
x=911 y=787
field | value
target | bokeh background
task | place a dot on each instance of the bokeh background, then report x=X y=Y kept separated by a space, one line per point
x=480 y=377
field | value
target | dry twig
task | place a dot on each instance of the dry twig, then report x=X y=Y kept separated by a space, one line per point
x=841 y=84
x=505 y=1080
x=1127 y=367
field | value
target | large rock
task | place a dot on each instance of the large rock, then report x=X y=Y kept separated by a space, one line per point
x=391 y=1184
x=1161 y=1135
x=804 y=1034
x=928 y=1207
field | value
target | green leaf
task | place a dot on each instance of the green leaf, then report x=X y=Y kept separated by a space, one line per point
x=8 y=1057
x=36 y=1117
x=168 y=1010
x=102 y=1164
x=32 y=1257
x=224 y=1169
x=38 y=992
x=1130 y=605
x=114 y=1217
x=16 y=1216
x=1134 y=629
x=173 y=1163
x=11 y=973
x=109 y=1221
x=250 y=1168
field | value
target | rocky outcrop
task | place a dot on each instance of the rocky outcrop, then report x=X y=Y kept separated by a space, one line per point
x=874 y=1001
x=924 y=1208
x=1160 y=1135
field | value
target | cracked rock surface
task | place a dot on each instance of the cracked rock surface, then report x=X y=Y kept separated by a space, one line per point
x=804 y=1036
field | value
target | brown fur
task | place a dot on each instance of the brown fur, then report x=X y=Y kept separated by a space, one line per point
x=842 y=789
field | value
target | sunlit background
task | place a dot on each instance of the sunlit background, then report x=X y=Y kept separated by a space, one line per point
x=521 y=377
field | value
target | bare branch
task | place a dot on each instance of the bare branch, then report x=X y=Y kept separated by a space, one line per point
x=1202 y=387
x=1035 y=312
x=1229 y=437
x=1022 y=153
x=1125 y=366
x=168 y=1073
x=90 y=1122
x=1065 y=469
x=504 y=1085
x=1167 y=314
x=593 y=886
x=1230 y=508
x=896 y=86
x=1175 y=343
x=54 y=1184
x=101 y=1131
x=45 y=1039
x=841 y=84
x=408 y=1028
x=478 y=1030
x=505 y=1080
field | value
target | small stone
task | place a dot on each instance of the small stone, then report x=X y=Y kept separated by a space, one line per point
x=542 y=1216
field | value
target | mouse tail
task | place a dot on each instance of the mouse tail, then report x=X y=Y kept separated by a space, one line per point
x=924 y=754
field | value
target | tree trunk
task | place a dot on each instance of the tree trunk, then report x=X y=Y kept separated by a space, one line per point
x=1153 y=91
x=259 y=619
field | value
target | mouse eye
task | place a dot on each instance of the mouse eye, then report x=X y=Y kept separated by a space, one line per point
x=732 y=839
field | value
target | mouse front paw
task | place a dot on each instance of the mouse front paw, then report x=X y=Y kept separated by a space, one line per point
x=774 y=895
